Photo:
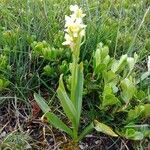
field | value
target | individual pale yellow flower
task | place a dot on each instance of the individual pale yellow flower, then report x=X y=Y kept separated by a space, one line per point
x=74 y=8
x=69 y=40
x=69 y=21
x=77 y=12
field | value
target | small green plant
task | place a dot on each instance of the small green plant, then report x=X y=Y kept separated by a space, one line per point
x=43 y=49
x=120 y=93
x=16 y=141
x=52 y=58
x=4 y=68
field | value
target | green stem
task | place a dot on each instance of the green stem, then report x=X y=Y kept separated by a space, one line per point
x=75 y=57
x=74 y=80
x=73 y=90
x=75 y=134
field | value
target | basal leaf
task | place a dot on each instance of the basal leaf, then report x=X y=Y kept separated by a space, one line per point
x=57 y=123
x=139 y=111
x=100 y=127
x=109 y=76
x=99 y=69
x=146 y=112
x=128 y=89
x=66 y=103
x=132 y=61
x=135 y=113
x=101 y=58
x=119 y=65
x=109 y=99
x=133 y=134
x=143 y=128
x=41 y=102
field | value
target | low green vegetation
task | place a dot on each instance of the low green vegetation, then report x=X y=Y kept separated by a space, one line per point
x=95 y=67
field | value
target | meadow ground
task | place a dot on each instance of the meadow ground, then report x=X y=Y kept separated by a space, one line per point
x=32 y=58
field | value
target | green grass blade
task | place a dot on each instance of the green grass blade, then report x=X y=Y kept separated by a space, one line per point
x=87 y=130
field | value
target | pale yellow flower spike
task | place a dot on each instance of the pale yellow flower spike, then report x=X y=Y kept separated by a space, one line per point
x=74 y=26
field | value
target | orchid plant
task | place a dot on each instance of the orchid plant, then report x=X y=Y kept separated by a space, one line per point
x=71 y=103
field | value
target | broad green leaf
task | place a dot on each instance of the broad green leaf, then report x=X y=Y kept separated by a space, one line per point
x=41 y=102
x=106 y=60
x=104 y=52
x=57 y=123
x=99 y=69
x=107 y=89
x=132 y=61
x=146 y=112
x=108 y=76
x=3 y=62
x=143 y=128
x=135 y=113
x=97 y=55
x=133 y=134
x=119 y=65
x=101 y=58
x=110 y=87
x=128 y=89
x=140 y=95
x=100 y=127
x=139 y=111
x=97 y=58
x=48 y=70
x=3 y=83
x=109 y=99
x=87 y=130
x=66 y=103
